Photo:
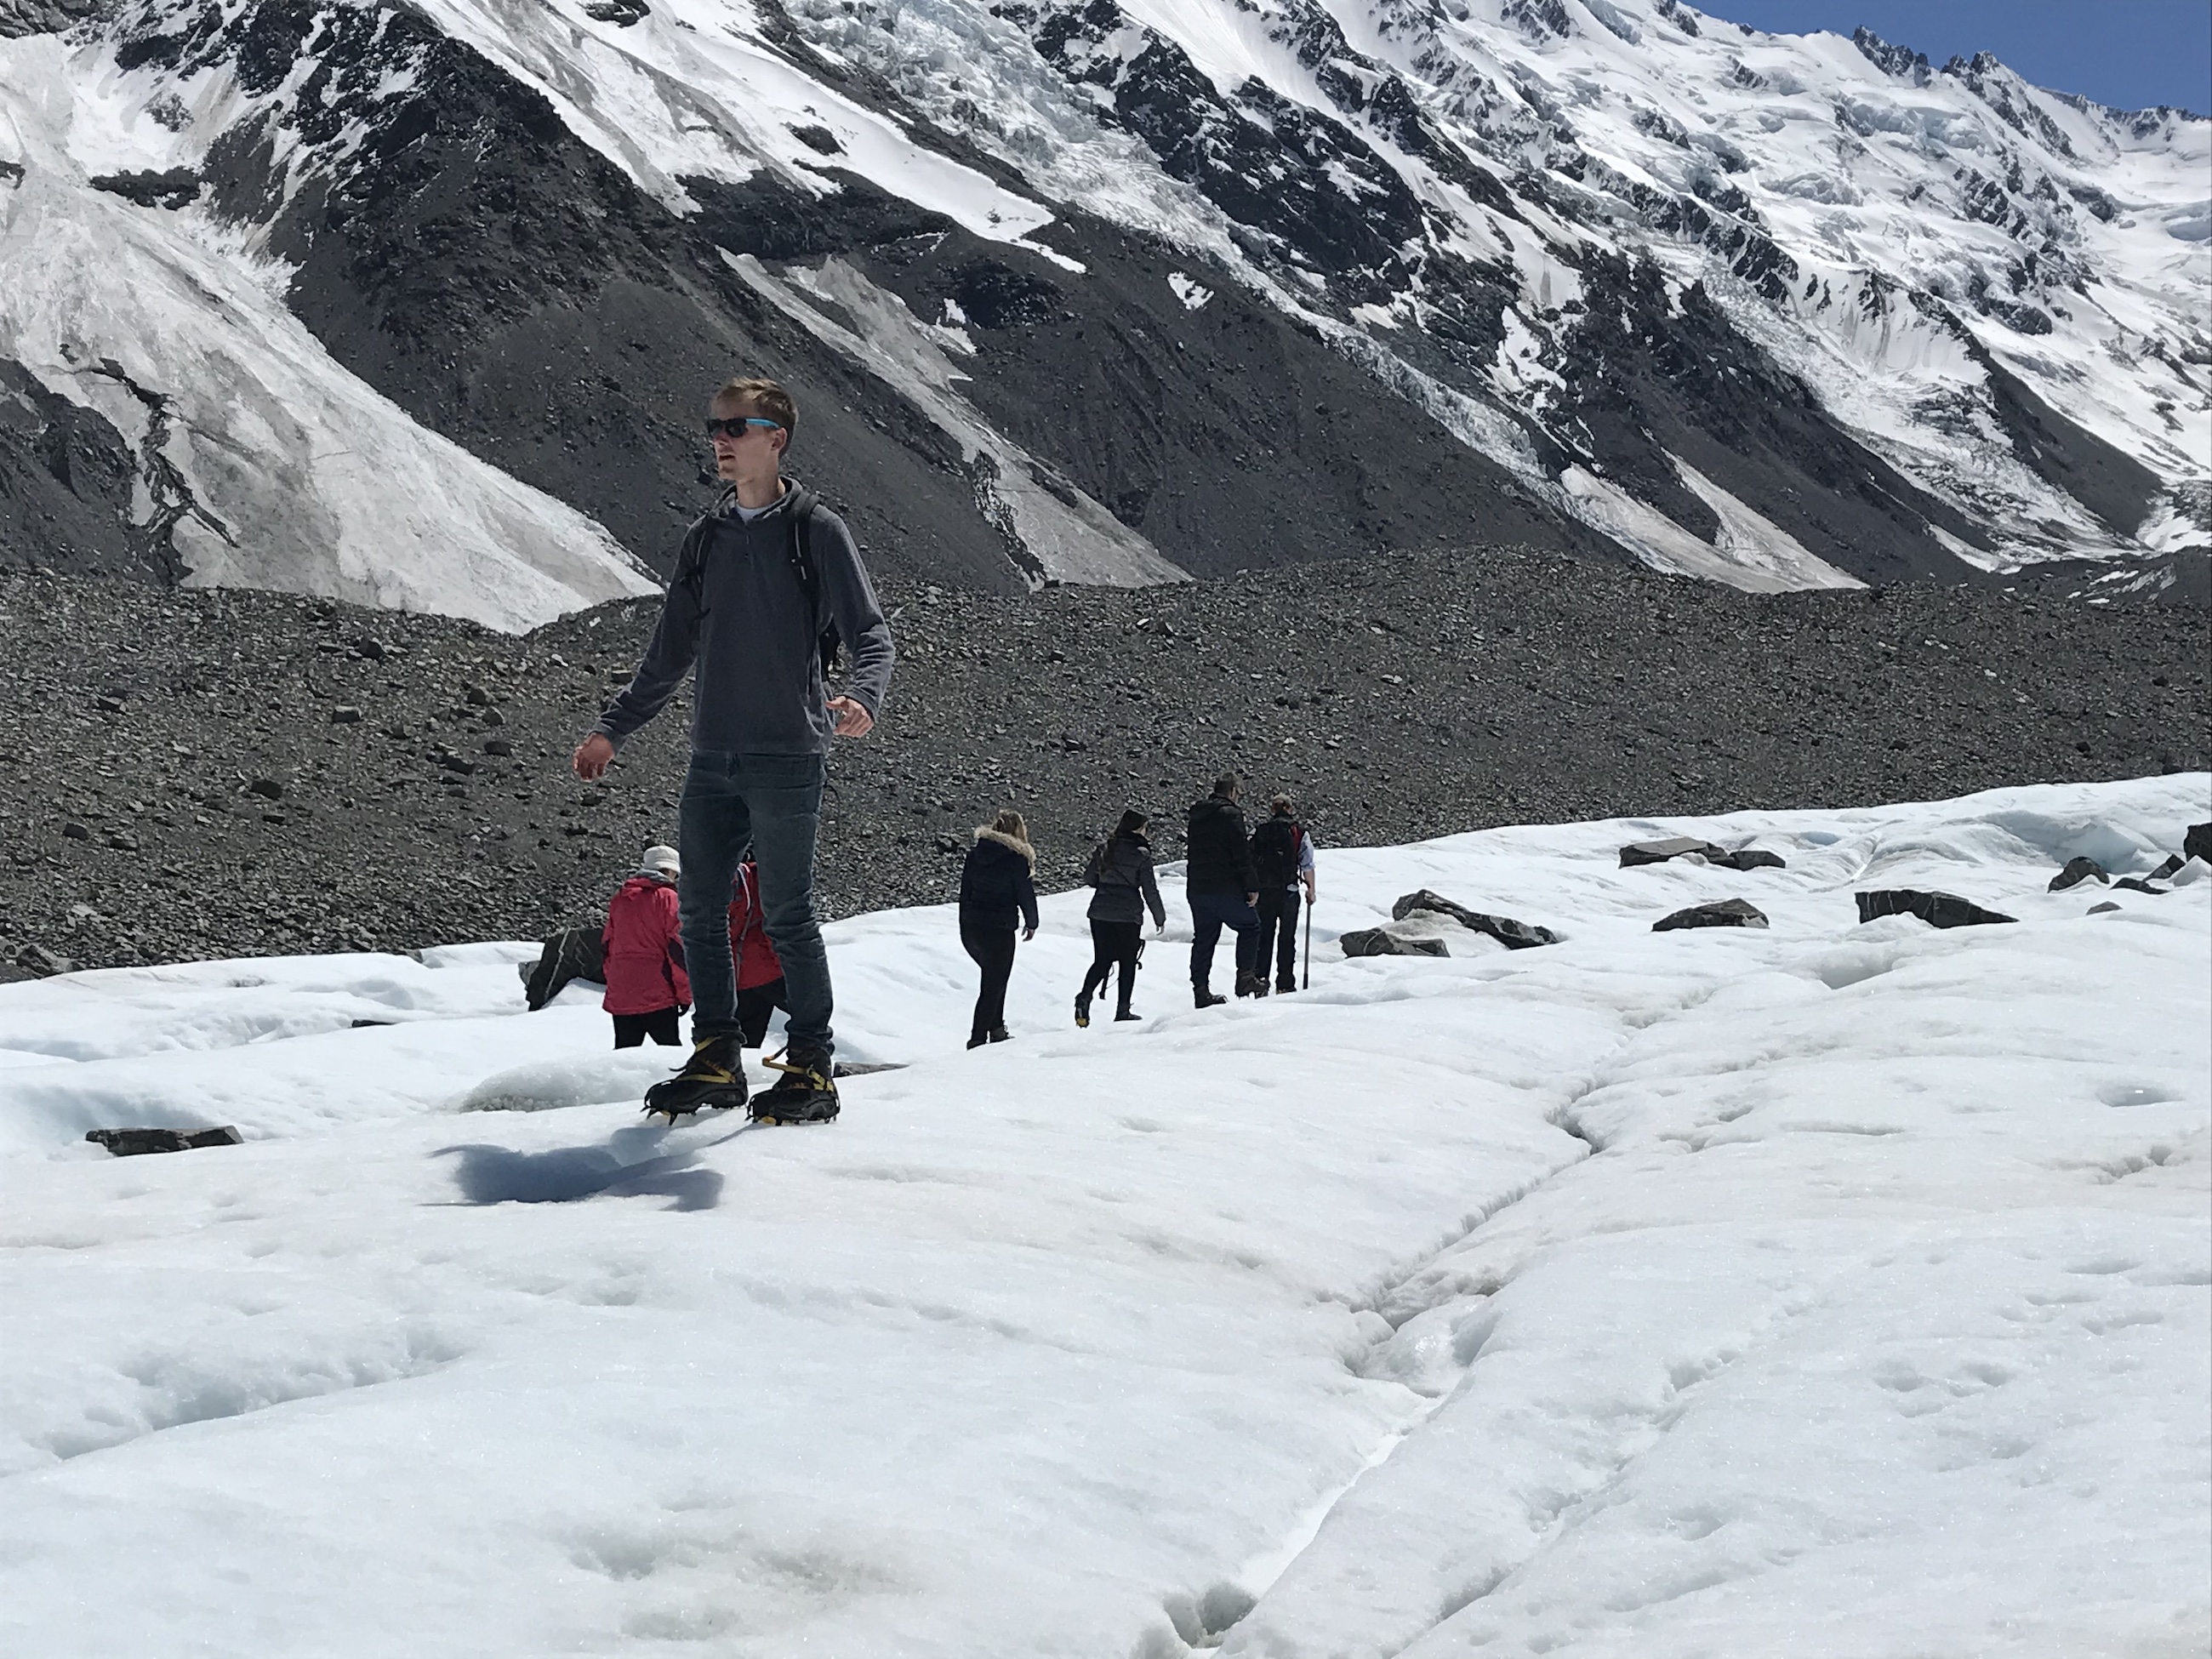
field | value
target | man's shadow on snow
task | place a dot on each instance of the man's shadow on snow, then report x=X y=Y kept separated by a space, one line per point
x=499 y=1174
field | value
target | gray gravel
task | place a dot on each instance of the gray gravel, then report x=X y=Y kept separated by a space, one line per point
x=198 y=774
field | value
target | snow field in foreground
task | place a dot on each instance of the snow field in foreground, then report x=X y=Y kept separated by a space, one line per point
x=1832 y=1289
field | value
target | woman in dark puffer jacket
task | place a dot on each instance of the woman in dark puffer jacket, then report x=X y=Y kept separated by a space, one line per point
x=995 y=885
x=1121 y=868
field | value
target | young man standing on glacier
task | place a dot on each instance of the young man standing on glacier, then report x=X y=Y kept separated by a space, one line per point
x=759 y=582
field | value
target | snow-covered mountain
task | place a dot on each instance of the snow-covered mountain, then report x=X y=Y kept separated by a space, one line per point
x=1108 y=291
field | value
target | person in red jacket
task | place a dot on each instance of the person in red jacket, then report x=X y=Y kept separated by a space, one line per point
x=760 y=971
x=646 y=989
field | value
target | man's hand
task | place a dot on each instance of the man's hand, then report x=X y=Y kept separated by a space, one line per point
x=853 y=720
x=1252 y=901
x=1027 y=933
x=593 y=755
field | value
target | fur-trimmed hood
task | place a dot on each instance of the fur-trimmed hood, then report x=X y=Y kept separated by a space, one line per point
x=1011 y=843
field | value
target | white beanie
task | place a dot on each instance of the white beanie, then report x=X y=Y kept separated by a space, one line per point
x=660 y=861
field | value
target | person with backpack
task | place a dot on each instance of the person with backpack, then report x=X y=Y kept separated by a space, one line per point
x=1222 y=887
x=642 y=956
x=1121 y=868
x=760 y=973
x=996 y=883
x=760 y=581
x=1282 y=854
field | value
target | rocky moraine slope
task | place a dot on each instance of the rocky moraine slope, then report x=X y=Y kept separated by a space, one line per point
x=197 y=773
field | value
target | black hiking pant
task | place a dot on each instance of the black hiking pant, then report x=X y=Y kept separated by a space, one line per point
x=991 y=949
x=632 y=1029
x=1278 y=937
x=757 y=1005
x=1114 y=943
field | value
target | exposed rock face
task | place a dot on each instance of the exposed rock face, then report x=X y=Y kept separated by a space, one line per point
x=1936 y=909
x=22 y=17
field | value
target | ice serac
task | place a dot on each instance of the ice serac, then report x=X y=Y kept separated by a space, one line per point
x=1777 y=310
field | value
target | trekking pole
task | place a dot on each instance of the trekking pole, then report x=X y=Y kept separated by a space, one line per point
x=1309 y=963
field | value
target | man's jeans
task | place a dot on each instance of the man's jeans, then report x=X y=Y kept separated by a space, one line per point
x=1209 y=914
x=772 y=804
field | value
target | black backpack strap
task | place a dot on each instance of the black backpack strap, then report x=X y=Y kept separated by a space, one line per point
x=799 y=515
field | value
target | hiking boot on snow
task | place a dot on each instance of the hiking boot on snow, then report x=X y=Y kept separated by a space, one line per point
x=1248 y=985
x=1203 y=997
x=1123 y=1013
x=1082 y=1010
x=713 y=1080
x=1283 y=984
x=805 y=1093
x=1000 y=1034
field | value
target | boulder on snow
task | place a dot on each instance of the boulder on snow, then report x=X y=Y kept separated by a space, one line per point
x=2167 y=866
x=1721 y=913
x=134 y=1143
x=2103 y=908
x=2077 y=871
x=1675 y=846
x=2197 y=843
x=1753 y=858
x=1936 y=909
x=573 y=953
x=2136 y=884
x=1381 y=942
x=1513 y=935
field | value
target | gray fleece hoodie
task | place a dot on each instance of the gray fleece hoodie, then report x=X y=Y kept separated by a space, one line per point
x=737 y=608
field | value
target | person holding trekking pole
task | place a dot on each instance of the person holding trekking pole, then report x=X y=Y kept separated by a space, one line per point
x=1283 y=858
x=765 y=584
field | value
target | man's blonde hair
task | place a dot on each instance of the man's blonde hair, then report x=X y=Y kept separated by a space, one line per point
x=766 y=399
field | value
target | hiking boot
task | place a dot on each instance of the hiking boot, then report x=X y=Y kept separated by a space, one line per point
x=1247 y=986
x=1000 y=1034
x=1283 y=984
x=714 y=1078
x=977 y=1039
x=805 y=1093
x=1123 y=1013
x=1203 y=997
x=1082 y=1010
x=1259 y=987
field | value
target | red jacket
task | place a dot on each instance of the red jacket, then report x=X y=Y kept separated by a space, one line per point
x=644 y=952
x=750 y=949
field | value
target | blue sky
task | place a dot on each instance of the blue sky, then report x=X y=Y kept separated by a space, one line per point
x=2129 y=53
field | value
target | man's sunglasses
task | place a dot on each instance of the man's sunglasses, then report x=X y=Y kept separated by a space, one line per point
x=735 y=426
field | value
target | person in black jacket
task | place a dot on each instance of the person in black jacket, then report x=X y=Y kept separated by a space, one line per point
x=1283 y=855
x=1222 y=886
x=1121 y=868
x=994 y=883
